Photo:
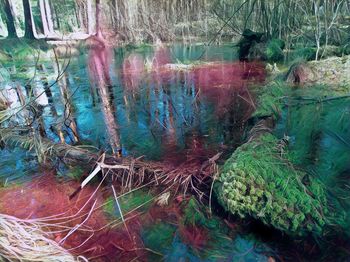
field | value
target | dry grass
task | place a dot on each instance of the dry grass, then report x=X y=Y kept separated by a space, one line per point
x=22 y=240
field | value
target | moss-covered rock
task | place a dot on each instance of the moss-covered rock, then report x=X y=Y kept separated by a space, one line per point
x=260 y=181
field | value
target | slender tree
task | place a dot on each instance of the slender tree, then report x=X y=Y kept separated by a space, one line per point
x=9 y=19
x=43 y=17
x=98 y=19
x=89 y=18
x=46 y=17
x=28 y=21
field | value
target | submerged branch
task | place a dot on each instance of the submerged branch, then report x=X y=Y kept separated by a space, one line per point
x=129 y=171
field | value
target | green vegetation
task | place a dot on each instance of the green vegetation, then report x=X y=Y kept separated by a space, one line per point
x=139 y=199
x=274 y=50
x=259 y=180
x=297 y=183
x=271 y=100
x=24 y=51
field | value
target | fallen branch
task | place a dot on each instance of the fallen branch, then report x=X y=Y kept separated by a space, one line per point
x=130 y=172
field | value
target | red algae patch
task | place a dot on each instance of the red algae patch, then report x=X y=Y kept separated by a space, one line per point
x=79 y=225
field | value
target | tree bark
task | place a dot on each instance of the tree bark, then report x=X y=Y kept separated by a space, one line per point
x=98 y=19
x=28 y=20
x=9 y=19
x=89 y=18
x=43 y=17
x=46 y=17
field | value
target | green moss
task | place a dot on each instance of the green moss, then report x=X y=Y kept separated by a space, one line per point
x=262 y=169
x=159 y=237
x=307 y=53
x=319 y=143
x=271 y=100
x=274 y=50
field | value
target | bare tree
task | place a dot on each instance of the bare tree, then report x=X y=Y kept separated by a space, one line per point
x=28 y=20
x=9 y=19
x=89 y=16
x=46 y=17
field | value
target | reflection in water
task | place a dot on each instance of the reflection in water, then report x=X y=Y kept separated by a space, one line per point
x=180 y=114
x=157 y=112
x=69 y=120
x=99 y=65
x=209 y=102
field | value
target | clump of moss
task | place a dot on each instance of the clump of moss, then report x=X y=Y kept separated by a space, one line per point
x=274 y=50
x=271 y=101
x=260 y=181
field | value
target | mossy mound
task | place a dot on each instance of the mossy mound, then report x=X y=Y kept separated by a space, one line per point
x=274 y=50
x=260 y=181
x=271 y=101
x=298 y=184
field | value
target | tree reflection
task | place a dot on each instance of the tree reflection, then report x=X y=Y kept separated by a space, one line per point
x=69 y=120
x=99 y=66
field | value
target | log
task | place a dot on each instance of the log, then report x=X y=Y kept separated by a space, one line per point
x=129 y=171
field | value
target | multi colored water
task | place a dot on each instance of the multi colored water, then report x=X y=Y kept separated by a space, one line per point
x=171 y=104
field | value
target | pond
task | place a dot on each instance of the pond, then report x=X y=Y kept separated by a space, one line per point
x=177 y=104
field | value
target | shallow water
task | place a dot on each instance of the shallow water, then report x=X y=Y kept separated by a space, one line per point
x=149 y=101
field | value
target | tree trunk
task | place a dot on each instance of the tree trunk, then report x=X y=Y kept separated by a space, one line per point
x=98 y=19
x=89 y=18
x=43 y=17
x=9 y=19
x=49 y=16
x=46 y=17
x=28 y=20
